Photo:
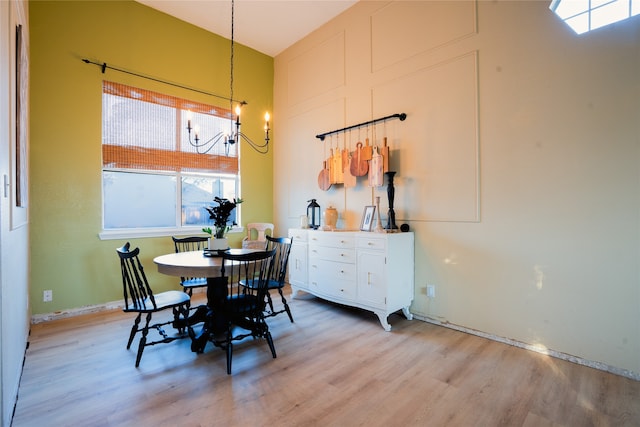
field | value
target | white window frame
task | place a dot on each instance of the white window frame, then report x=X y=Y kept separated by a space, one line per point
x=579 y=14
x=178 y=229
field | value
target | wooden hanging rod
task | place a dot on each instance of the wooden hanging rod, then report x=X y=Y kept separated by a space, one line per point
x=400 y=116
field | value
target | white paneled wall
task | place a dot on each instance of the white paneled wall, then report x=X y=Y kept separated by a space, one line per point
x=517 y=166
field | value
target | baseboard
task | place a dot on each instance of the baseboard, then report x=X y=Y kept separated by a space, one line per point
x=538 y=349
x=113 y=305
x=47 y=317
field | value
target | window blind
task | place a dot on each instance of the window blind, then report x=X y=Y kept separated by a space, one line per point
x=146 y=130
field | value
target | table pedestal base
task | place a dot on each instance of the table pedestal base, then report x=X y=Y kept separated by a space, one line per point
x=211 y=323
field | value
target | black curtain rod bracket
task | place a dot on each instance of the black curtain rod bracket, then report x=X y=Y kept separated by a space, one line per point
x=400 y=116
x=104 y=67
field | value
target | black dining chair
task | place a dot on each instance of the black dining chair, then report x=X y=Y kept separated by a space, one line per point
x=278 y=275
x=188 y=244
x=139 y=298
x=240 y=309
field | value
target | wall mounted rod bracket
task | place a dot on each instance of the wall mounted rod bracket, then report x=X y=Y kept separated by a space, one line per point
x=400 y=116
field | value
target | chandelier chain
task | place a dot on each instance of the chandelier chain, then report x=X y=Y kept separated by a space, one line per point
x=232 y=52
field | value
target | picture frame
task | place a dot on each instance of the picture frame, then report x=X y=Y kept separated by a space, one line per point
x=368 y=216
x=19 y=161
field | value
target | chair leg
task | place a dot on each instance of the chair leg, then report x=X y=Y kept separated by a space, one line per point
x=286 y=306
x=180 y=323
x=269 y=301
x=270 y=341
x=134 y=329
x=143 y=340
x=229 y=350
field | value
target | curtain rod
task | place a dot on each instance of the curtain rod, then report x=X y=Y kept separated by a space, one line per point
x=104 y=67
x=400 y=116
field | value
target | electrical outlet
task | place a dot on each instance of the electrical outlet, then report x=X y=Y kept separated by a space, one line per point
x=431 y=291
x=47 y=296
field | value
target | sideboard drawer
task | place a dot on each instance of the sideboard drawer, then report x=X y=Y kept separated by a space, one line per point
x=326 y=271
x=298 y=235
x=371 y=243
x=333 y=278
x=332 y=254
x=334 y=240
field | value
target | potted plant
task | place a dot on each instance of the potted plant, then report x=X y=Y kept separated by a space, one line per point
x=220 y=215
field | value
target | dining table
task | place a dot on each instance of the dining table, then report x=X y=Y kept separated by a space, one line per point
x=202 y=263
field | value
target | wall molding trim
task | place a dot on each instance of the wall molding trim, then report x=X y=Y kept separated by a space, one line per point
x=546 y=351
x=72 y=312
x=88 y=309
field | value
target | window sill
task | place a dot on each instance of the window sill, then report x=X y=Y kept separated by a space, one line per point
x=157 y=232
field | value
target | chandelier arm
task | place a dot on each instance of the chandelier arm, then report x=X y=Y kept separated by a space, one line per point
x=260 y=148
x=213 y=141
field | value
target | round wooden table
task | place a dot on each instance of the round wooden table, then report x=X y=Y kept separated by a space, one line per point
x=188 y=264
x=196 y=264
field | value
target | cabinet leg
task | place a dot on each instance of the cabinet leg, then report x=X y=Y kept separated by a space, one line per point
x=407 y=313
x=382 y=315
x=294 y=292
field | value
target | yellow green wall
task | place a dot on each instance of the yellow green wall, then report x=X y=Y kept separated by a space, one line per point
x=67 y=256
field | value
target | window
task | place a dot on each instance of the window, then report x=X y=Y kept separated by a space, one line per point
x=587 y=15
x=153 y=179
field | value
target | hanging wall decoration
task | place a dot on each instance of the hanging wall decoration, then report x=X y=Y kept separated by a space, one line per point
x=367 y=159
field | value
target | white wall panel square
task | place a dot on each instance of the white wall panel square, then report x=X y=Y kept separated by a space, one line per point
x=306 y=155
x=406 y=28
x=435 y=150
x=318 y=70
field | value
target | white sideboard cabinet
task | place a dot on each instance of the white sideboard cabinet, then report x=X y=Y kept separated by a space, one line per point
x=373 y=271
x=298 y=273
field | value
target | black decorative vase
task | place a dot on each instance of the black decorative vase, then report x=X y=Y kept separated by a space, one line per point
x=391 y=220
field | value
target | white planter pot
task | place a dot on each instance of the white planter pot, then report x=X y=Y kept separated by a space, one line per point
x=218 y=244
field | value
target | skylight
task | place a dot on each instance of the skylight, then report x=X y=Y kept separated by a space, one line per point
x=587 y=15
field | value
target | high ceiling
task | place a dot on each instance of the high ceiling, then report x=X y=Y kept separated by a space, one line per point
x=268 y=26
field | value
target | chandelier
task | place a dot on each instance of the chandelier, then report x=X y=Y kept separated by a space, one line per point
x=234 y=135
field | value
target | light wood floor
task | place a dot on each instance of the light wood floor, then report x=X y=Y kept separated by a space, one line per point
x=336 y=367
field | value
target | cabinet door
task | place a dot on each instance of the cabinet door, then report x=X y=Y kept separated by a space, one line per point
x=372 y=284
x=298 y=265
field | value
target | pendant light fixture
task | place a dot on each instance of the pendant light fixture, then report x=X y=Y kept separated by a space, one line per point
x=235 y=135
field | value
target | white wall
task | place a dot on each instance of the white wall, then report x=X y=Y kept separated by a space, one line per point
x=518 y=165
x=14 y=318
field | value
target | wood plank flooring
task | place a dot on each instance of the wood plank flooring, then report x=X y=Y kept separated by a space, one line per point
x=335 y=367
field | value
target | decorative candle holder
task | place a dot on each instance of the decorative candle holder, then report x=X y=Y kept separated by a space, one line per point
x=391 y=221
x=378 y=228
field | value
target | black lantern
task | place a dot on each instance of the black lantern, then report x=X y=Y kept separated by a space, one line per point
x=313 y=214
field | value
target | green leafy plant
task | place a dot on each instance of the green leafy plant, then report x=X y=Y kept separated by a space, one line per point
x=220 y=215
